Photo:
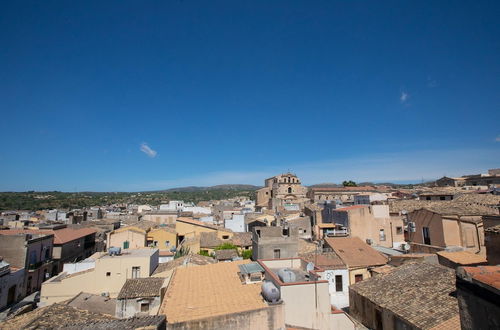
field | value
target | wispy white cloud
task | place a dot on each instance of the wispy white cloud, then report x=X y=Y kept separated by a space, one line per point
x=404 y=97
x=147 y=150
x=497 y=138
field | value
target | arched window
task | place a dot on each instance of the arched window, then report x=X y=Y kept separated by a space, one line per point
x=289 y=190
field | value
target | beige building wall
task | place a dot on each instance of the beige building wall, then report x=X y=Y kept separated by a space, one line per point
x=108 y=276
x=135 y=237
x=363 y=224
x=187 y=229
x=358 y=271
x=300 y=305
x=161 y=218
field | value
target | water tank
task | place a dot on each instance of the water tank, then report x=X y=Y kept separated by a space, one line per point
x=286 y=275
x=115 y=251
x=270 y=292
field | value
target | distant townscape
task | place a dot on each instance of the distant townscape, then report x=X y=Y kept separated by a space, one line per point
x=279 y=256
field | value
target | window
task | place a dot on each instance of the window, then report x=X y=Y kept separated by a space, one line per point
x=442 y=198
x=145 y=307
x=426 y=235
x=225 y=236
x=277 y=253
x=126 y=244
x=358 y=278
x=382 y=235
x=428 y=198
x=338 y=283
x=136 y=272
x=289 y=190
x=47 y=253
x=399 y=230
x=167 y=243
x=108 y=274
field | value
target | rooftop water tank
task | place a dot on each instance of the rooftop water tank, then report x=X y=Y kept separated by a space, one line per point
x=286 y=275
x=270 y=292
x=115 y=251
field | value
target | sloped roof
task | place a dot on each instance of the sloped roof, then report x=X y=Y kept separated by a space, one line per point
x=419 y=293
x=51 y=316
x=325 y=260
x=462 y=257
x=242 y=239
x=220 y=292
x=225 y=254
x=485 y=199
x=210 y=240
x=486 y=276
x=61 y=236
x=141 y=288
x=93 y=303
x=132 y=323
x=442 y=207
x=192 y=259
x=356 y=253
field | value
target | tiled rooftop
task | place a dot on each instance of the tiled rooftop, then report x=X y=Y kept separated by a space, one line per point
x=133 y=323
x=56 y=315
x=93 y=303
x=207 y=291
x=192 y=259
x=355 y=253
x=419 y=293
x=462 y=257
x=325 y=260
x=487 y=276
x=441 y=207
x=141 y=288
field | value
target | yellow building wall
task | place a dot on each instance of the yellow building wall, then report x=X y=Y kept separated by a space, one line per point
x=162 y=236
x=187 y=229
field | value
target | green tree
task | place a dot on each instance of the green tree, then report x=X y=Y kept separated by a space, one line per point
x=349 y=183
x=226 y=246
x=246 y=254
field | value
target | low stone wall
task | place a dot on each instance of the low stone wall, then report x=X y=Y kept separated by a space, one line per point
x=271 y=317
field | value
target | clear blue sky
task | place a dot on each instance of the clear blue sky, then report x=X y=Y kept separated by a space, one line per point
x=135 y=95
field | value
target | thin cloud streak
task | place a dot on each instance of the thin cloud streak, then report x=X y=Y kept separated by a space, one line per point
x=147 y=150
x=404 y=97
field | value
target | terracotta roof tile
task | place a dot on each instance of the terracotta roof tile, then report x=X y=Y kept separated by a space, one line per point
x=488 y=275
x=219 y=293
x=462 y=257
x=355 y=253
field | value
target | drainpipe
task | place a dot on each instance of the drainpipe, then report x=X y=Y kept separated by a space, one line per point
x=478 y=238
x=392 y=237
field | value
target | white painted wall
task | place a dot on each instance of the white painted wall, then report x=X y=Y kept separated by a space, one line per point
x=338 y=299
x=236 y=224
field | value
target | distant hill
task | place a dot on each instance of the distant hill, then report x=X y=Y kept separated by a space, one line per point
x=232 y=187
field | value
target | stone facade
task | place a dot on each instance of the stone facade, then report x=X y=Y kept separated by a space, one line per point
x=282 y=192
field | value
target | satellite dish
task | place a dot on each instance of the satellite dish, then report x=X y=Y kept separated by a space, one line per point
x=310 y=267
